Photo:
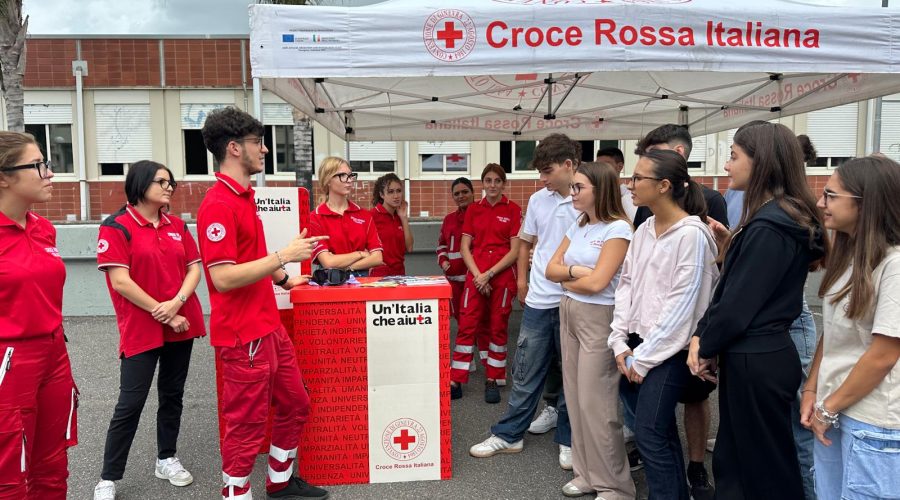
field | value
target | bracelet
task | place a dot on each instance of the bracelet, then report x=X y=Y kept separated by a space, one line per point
x=808 y=390
x=284 y=280
x=280 y=261
x=571 y=276
x=825 y=416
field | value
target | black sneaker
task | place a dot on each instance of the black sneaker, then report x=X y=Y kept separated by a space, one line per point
x=700 y=487
x=455 y=391
x=491 y=392
x=298 y=489
x=635 y=462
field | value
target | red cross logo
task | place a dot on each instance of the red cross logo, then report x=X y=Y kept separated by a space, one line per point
x=216 y=231
x=450 y=35
x=421 y=318
x=102 y=246
x=404 y=439
x=454 y=158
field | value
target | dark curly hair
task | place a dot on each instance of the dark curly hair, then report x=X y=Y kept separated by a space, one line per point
x=224 y=125
x=381 y=184
x=556 y=148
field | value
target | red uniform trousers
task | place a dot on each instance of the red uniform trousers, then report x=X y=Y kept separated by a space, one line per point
x=38 y=421
x=456 y=299
x=485 y=318
x=256 y=375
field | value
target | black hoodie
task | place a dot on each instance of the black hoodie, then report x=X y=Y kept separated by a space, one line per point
x=760 y=292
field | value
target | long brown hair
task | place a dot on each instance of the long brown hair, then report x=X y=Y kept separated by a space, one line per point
x=778 y=175
x=876 y=180
x=607 y=198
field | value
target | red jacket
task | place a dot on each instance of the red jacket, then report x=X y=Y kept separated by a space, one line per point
x=449 y=242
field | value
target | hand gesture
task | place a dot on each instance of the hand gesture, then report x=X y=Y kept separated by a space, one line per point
x=301 y=247
x=403 y=209
x=179 y=324
x=295 y=281
x=720 y=232
x=165 y=311
x=445 y=265
x=620 y=362
x=522 y=292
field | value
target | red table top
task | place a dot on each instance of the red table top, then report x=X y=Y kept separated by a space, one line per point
x=306 y=294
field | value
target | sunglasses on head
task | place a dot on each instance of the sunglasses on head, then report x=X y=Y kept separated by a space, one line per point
x=332 y=277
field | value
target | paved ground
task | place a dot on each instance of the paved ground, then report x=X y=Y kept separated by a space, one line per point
x=534 y=473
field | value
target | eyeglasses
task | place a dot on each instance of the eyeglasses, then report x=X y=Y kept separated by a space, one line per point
x=831 y=195
x=43 y=167
x=635 y=178
x=258 y=140
x=166 y=183
x=576 y=188
x=346 y=177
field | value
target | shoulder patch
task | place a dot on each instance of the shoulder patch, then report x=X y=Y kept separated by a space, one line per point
x=215 y=232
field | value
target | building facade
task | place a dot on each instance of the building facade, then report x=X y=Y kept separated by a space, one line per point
x=147 y=98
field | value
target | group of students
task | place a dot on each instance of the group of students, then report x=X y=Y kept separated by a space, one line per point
x=651 y=316
x=663 y=310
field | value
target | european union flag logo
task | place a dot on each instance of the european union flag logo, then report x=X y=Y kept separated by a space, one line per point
x=287 y=38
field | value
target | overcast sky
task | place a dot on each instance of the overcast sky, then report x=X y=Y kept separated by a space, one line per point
x=143 y=17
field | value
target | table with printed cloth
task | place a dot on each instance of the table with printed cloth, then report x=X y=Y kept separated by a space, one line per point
x=376 y=363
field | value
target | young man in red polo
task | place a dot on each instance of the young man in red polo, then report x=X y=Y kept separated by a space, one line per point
x=258 y=364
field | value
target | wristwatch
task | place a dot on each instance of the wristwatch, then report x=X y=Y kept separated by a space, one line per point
x=283 y=280
x=182 y=297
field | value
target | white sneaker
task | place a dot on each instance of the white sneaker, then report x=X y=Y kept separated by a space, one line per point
x=565 y=457
x=172 y=470
x=570 y=490
x=629 y=434
x=711 y=445
x=501 y=382
x=105 y=490
x=494 y=445
x=545 y=421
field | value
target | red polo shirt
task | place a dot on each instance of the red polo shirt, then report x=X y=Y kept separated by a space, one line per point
x=157 y=259
x=390 y=232
x=349 y=232
x=448 y=245
x=491 y=229
x=32 y=276
x=230 y=232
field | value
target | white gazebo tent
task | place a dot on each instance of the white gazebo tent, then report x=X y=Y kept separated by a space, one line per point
x=593 y=69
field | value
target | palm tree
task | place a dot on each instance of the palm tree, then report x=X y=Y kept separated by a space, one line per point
x=12 y=61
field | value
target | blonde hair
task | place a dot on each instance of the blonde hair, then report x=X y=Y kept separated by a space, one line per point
x=327 y=169
x=12 y=147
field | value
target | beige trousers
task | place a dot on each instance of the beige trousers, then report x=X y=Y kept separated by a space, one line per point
x=591 y=385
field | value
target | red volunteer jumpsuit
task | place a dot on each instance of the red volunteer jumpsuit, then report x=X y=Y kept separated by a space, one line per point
x=38 y=397
x=491 y=229
x=258 y=363
x=351 y=232
x=393 y=241
x=449 y=242
x=157 y=259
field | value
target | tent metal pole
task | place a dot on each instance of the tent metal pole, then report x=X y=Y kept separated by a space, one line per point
x=257 y=113
x=406 y=186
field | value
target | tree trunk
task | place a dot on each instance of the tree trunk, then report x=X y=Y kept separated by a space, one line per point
x=303 y=153
x=12 y=62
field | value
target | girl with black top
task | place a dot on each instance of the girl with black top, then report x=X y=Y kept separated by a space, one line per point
x=745 y=331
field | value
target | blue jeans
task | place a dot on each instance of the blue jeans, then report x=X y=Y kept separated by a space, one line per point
x=656 y=432
x=862 y=462
x=803 y=333
x=538 y=342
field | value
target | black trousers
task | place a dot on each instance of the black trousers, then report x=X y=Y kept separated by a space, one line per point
x=136 y=376
x=755 y=456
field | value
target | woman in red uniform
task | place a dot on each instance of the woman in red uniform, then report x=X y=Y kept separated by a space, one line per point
x=490 y=245
x=353 y=242
x=152 y=269
x=38 y=398
x=450 y=239
x=392 y=223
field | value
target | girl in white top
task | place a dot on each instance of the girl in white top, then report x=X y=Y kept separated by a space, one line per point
x=667 y=280
x=851 y=400
x=587 y=264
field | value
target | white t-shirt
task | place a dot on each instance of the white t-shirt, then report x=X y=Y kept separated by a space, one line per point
x=547 y=218
x=845 y=341
x=627 y=202
x=585 y=244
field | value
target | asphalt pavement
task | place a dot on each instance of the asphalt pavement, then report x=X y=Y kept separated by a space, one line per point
x=531 y=474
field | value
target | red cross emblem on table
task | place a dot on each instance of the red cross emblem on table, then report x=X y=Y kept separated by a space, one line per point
x=404 y=439
x=420 y=318
x=450 y=35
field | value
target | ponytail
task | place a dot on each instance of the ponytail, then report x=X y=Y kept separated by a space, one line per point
x=693 y=202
